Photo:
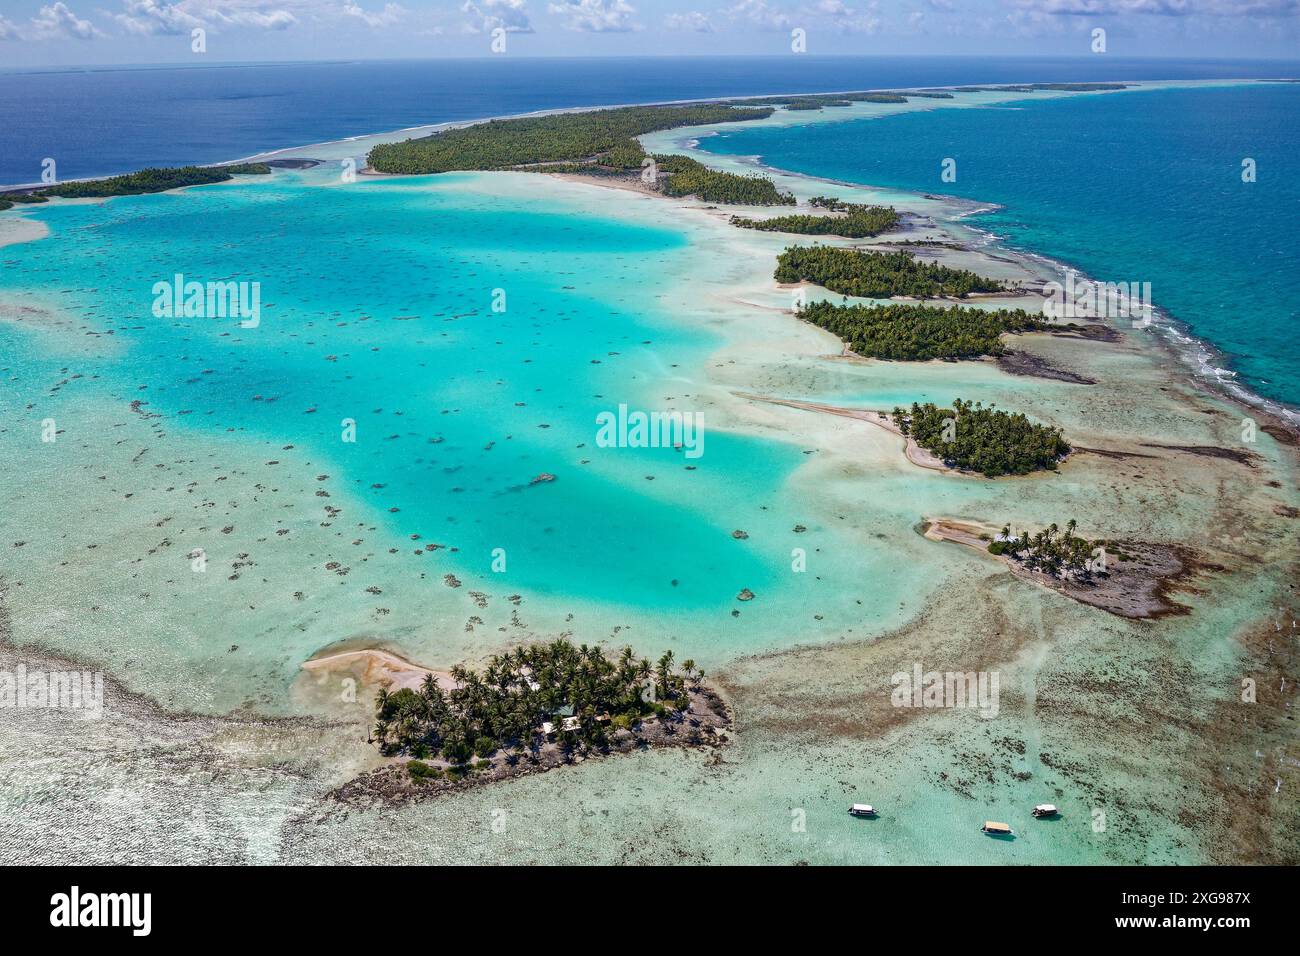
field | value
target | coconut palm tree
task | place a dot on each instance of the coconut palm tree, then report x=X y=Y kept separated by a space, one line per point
x=664 y=673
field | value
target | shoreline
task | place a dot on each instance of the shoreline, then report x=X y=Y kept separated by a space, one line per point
x=1208 y=363
x=375 y=666
x=911 y=450
x=706 y=725
x=1139 y=592
x=14 y=231
x=1205 y=361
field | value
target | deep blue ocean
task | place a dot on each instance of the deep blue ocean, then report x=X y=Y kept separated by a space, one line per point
x=1144 y=186
x=96 y=122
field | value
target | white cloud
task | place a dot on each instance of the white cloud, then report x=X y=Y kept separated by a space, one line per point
x=1257 y=8
x=1039 y=9
x=151 y=18
x=488 y=15
x=213 y=14
x=53 y=22
x=1105 y=7
x=845 y=17
x=262 y=14
x=596 y=16
x=57 y=22
x=835 y=13
x=387 y=17
x=690 y=22
x=759 y=14
x=164 y=17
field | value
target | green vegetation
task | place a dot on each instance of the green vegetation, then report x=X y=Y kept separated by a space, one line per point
x=600 y=142
x=154 y=181
x=1066 y=556
x=985 y=440
x=815 y=104
x=604 y=137
x=419 y=770
x=8 y=200
x=918 y=333
x=506 y=704
x=596 y=140
x=878 y=275
x=585 y=169
x=813 y=101
x=690 y=178
x=1031 y=87
x=1073 y=87
x=858 y=221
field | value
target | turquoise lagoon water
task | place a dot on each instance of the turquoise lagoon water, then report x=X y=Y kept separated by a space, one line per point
x=1141 y=186
x=376 y=306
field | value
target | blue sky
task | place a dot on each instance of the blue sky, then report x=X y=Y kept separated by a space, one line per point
x=67 y=32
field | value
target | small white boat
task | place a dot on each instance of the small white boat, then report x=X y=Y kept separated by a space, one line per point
x=862 y=810
x=1046 y=810
x=993 y=828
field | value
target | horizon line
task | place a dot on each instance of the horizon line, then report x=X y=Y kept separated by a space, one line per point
x=227 y=64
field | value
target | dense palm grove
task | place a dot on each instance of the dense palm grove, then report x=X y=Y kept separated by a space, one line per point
x=878 y=275
x=918 y=333
x=1032 y=87
x=858 y=221
x=7 y=202
x=687 y=177
x=807 y=101
x=599 y=142
x=811 y=104
x=154 y=181
x=1064 y=556
x=506 y=705
x=607 y=136
x=985 y=440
